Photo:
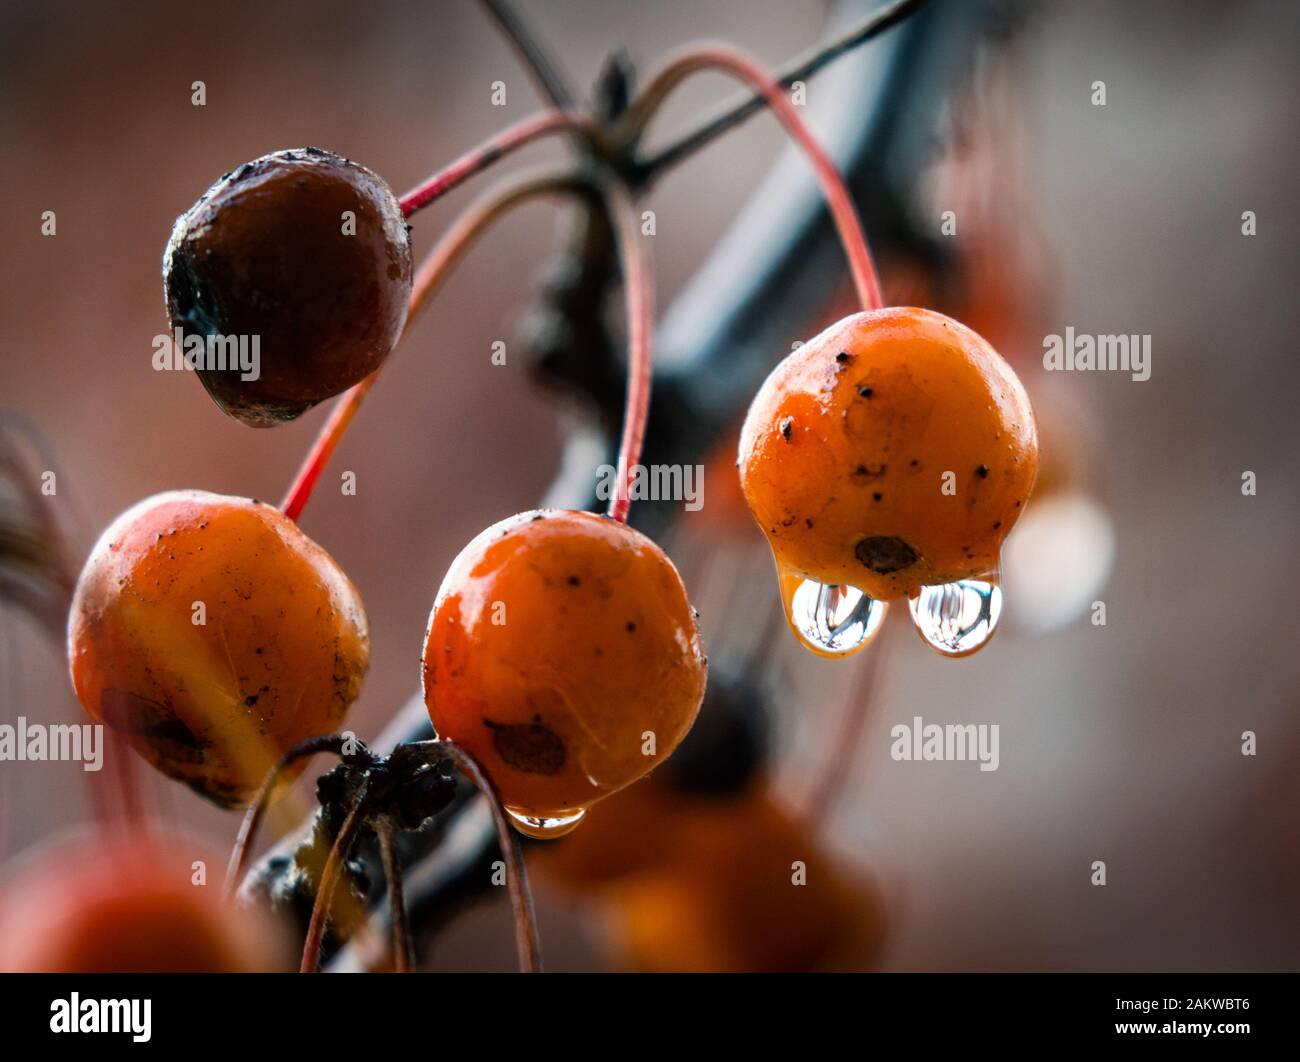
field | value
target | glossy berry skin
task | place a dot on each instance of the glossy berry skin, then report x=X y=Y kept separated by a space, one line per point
x=557 y=641
x=845 y=448
x=124 y=903
x=279 y=656
x=267 y=252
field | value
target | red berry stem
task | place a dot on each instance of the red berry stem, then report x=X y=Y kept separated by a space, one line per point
x=638 y=292
x=528 y=943
x=329 y=880
x=491 y=150
x=737 y=63
x=432 y=272
x=257 y=809
x=403 y=951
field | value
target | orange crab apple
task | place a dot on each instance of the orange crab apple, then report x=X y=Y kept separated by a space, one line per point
x=215 y=635
x=894 y=451
x=563 y=654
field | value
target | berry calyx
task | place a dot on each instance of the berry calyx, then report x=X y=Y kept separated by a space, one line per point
x=215 y=635
x=894 y=451
x=309 y=253
x=562 y=653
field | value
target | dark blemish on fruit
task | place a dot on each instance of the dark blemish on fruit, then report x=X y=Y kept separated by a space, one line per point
x=787 y=424
x=132 y=714
x=876 y=496
x=574 y=581
x=885 y=554
x=630 y=628
x=529 y=747
x=789 y=521
x=1017 y=505
x=250 y=700
x=843 y=357
x=809 y=523
x=982 y=471
x=871 y=471
x=865 y=392
x=997 y=524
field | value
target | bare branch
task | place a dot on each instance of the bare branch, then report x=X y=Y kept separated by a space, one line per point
x=545 y=72
x=646 y=170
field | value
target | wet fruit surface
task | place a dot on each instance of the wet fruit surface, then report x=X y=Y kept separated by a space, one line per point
x=305 y=250
x=562 y=653
x=893 y=451
x=129 y=904
x=214 y=634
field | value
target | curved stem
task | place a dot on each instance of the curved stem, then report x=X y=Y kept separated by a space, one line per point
x=329 y=879
x=495 y=147
x=731 y=115
x=732 y=61
x=257 y=809
x=430 y=276
x=638 y=293
x=402 y=950
x=527 y=942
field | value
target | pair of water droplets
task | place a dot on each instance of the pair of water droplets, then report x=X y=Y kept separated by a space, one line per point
x=954 y=619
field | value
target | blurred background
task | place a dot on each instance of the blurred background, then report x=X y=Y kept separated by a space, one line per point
x=1120 y=743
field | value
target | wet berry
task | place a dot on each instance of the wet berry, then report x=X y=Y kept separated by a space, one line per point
x=562 y=653
x=309 y=253
x=215 y=635
x=893 y=451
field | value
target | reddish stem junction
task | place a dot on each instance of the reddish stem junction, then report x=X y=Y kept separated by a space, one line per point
x=636 y=278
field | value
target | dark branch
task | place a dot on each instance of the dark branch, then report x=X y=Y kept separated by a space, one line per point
x=730 y=116
x=544 y=71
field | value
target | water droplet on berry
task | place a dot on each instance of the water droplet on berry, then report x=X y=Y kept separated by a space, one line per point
x=545 y=827
x=830 y=620
x=959 y=618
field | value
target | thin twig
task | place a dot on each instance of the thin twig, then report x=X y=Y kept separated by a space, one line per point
x=495 y=147
x=403 y=957
x=527 y=941
x=257 y=809
x=739 y=65
x=731 y=115
x=544 y=70
x=329 y=879
x=638 y=293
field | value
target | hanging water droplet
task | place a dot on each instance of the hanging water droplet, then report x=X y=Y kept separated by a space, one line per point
x=545 y=827
x=830 y=620
x=958 y=618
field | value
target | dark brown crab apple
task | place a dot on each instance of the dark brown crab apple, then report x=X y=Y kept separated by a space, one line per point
x=303 y=256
